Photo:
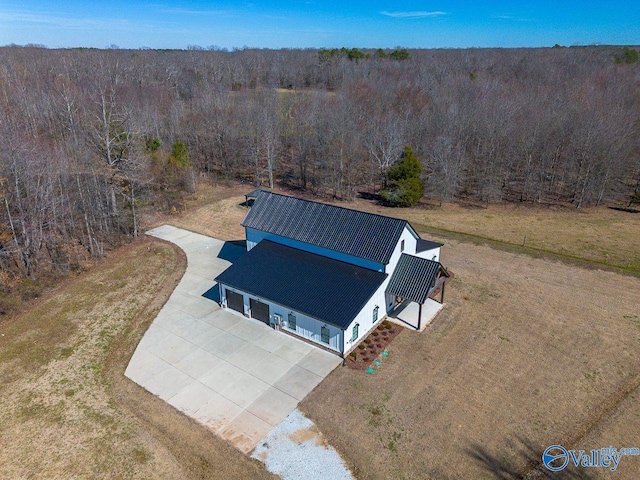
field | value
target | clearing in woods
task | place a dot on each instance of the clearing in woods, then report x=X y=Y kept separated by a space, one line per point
x=528 y=352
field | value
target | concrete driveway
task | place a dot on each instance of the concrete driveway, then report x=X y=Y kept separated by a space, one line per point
x=235 y=375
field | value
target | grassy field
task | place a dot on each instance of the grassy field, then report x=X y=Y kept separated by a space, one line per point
x=602 y=236
x=66 y=409
x=528 y=352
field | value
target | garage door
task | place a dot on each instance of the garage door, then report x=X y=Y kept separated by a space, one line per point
x=259 y=310
x=235 y=301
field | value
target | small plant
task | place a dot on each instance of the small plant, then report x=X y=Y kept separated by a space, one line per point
x=367 y=341
x=379 y=345
x=352 y=354
x=366 y=359
x=361 y=347
x=375 y=334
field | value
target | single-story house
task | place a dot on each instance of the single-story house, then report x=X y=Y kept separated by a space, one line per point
x=328 y=274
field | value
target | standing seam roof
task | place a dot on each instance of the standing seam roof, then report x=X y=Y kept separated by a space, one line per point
x=322 y=288
x=413 y=278
x=361 y=234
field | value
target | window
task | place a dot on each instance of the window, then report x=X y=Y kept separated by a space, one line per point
x=402 y=246
x=354 y=335
x=375 y=314
x=324 y=334
x=292 y=321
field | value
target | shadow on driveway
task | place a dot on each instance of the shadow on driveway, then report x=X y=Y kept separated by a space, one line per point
x=232 y=250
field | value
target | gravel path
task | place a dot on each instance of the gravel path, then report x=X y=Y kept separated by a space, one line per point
x=296 y=450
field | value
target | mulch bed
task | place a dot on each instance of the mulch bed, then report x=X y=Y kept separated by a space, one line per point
x=372 y=347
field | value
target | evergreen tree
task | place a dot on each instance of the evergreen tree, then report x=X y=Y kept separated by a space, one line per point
x=405 y=185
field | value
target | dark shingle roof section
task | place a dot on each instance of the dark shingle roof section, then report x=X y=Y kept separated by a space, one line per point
x=424 y=245
x=325 y=289
x=413 y=278
x=364 y=235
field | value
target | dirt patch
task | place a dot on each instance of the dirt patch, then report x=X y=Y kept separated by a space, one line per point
x=306 y=435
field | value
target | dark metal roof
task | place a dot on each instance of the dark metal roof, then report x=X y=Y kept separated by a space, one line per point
x=424 y=245
x=325 y=289
x=254 y=193
x=364 y=235
x=413 y=278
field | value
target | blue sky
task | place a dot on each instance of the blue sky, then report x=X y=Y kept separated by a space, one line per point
x=316 y=23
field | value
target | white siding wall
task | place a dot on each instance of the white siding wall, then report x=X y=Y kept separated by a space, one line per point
x=255 y=236
x=433 y=254
x=410 y=242
x=306 y=327
x=365 y=318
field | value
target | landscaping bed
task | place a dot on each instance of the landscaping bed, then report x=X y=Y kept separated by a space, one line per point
x=374 y=346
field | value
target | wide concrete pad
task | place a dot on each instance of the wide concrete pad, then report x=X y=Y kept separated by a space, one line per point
x=235 y=375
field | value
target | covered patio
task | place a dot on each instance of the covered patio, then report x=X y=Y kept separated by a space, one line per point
x=416 y=284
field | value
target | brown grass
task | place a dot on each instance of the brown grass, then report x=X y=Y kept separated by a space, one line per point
x=214 y=211
x=527 y=353
x=67 y=411
x=602 y=236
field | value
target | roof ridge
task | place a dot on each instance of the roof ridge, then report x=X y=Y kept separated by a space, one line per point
x=335 y=206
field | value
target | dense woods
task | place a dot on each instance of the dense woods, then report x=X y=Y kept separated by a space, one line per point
x=89 y=138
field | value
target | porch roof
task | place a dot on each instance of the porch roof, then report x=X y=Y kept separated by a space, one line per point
x=413 y=278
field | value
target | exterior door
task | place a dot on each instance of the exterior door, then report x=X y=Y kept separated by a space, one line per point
x=259 y=310
x=235 y=301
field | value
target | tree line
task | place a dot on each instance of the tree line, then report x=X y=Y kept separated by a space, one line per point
x=90 y=138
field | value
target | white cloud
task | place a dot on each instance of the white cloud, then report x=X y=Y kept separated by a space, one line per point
x=419 y=14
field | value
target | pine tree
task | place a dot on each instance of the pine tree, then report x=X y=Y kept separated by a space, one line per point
x=405 y=185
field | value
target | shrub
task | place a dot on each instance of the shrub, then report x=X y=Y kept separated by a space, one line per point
x=375 y=334
x=367 y=341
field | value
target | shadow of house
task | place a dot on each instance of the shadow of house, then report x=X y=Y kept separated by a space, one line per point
x=232 y=250
x=213 y=293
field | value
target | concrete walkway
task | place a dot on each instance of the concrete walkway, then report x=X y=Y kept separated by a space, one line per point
x=235 y=375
